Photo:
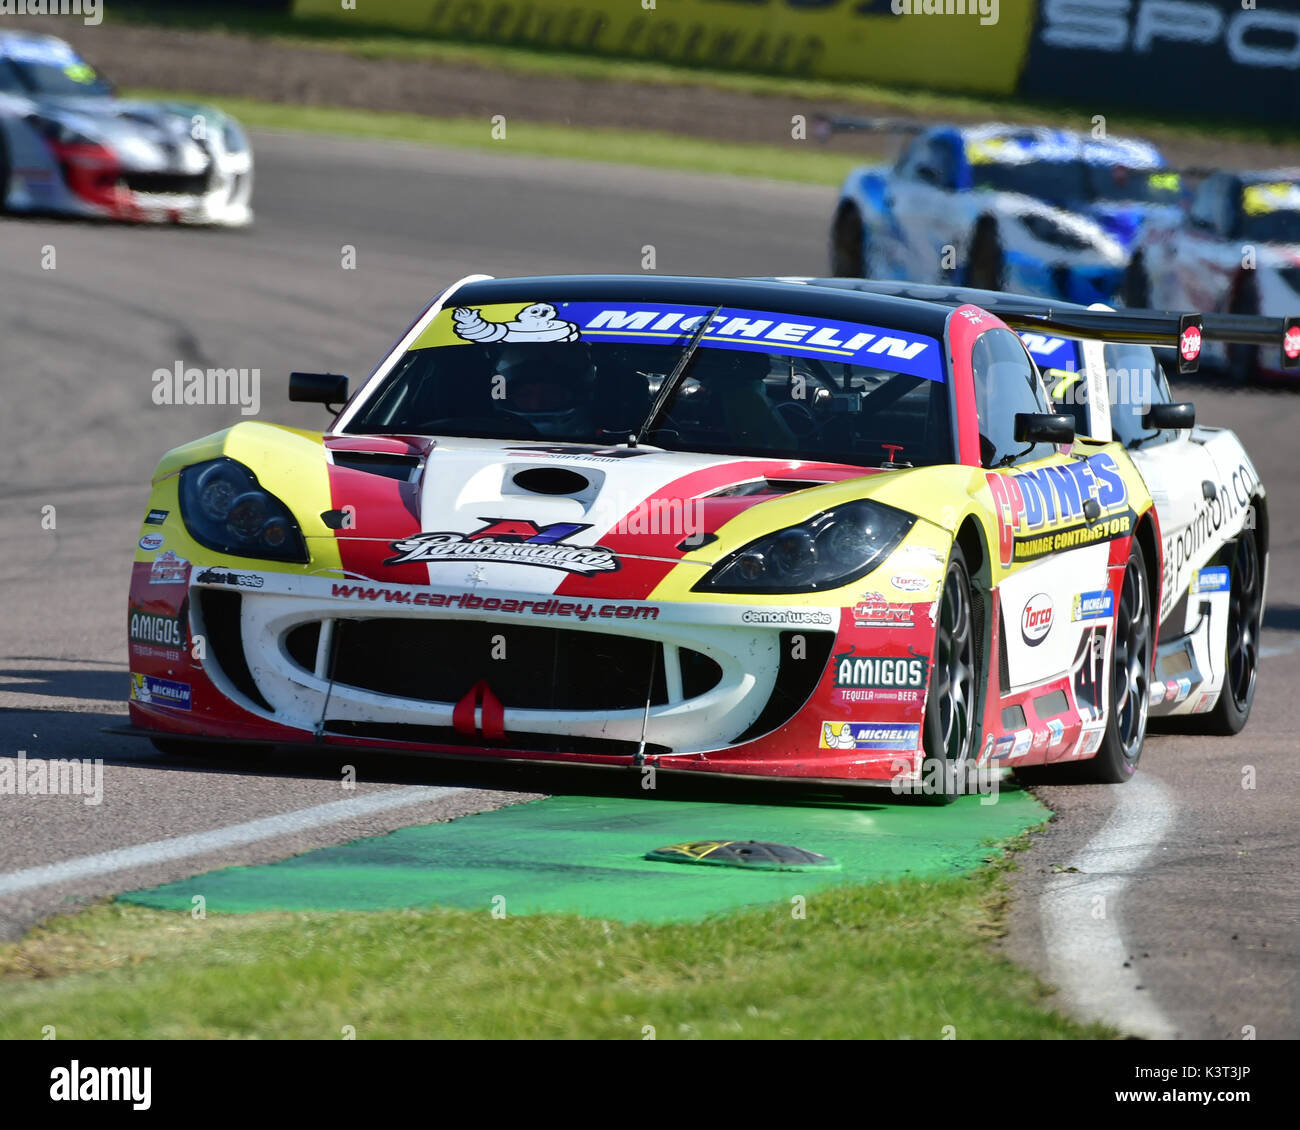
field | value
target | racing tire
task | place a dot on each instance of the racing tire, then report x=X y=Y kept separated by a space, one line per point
x=987 y=263
x=1131 y=661
x=1136 y=287
x=1243 y=360
x=4 y=173
x=848 y=243
x=952 y=718
x=1241 y=654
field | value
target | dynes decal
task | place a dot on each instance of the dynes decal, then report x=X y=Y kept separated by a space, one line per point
x=878 y=678
x=1183 y=546
x=1041 y=512
x=1036 y=619
x=512 y=541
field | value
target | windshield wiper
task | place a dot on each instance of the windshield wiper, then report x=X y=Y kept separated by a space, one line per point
x=673 y=379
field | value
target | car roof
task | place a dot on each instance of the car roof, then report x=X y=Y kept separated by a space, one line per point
x=1267 y=176
x=779 y=295
x=1025 y=144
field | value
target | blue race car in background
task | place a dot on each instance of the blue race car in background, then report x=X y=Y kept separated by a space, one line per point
x=1026 y=209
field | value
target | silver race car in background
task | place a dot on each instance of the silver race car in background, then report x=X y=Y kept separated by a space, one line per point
x=1236 y=250
x=69 y=145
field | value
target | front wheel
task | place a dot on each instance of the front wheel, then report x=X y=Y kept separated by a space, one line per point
x=1241 y=659
x=1130 y=679
x=848 y=244
x=952 y=703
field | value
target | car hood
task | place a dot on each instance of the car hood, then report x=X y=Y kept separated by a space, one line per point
x=144 y=135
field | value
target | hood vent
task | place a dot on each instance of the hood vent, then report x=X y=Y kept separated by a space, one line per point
x=550 y=480
x=400 y=467
x=765 y=486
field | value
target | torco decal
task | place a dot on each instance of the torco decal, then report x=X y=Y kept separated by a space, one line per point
x=909 y=582
x=1049 y=502
x=1036 y=619
x=511 y=541
x=150 y=542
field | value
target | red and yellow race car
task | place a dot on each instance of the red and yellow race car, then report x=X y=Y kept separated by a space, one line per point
x=733 y=527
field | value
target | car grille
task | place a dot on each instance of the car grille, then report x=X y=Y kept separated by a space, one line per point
x=167 y=184
x=528 y=667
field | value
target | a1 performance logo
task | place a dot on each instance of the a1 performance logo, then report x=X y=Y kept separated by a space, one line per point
x=510 y=541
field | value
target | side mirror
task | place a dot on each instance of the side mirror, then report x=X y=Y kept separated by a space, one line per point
x=928 y=174
x=318 y=388
x=1044 y=427
x=1172 y=416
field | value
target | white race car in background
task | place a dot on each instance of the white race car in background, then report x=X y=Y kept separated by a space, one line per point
x=1237 y=250
x=1208 y=497
x=69 y=145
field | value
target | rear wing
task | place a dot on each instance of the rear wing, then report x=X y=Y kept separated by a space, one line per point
x=826 y=126
x=1184 y=332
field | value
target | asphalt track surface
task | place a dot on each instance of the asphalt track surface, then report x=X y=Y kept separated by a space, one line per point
x=1196 y=874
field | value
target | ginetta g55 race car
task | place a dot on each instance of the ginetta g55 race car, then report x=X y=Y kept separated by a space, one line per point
x=68 y=145
x=1027 y=209
x=1209 y=500
x=1236 y=250
x=709 y=525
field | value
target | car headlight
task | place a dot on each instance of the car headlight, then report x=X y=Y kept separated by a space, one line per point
x=224 y=509
x=60 y=132
x=825 y=552
x=233 y=137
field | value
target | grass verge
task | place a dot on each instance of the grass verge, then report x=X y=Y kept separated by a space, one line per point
x=356 y=37
x=800 y=162
x=890 y=961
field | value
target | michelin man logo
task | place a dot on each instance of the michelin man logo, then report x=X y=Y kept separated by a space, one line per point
x=841 y=740
x=533 y=323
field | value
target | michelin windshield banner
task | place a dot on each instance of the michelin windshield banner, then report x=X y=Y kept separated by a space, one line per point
x=975 y=45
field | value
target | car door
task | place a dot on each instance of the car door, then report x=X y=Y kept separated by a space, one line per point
x=926 y=206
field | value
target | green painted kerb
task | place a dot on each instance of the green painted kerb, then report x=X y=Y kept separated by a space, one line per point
x=585 y=855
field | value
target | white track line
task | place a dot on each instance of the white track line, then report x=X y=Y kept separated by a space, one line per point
x=1086 y=953
x=199 y=843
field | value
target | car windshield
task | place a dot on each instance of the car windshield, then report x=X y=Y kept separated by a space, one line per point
x=47 y=69
x=759 y=384
x=1270 y=213
x=1119 y=183
x=1056 y=182
x=1136 y=382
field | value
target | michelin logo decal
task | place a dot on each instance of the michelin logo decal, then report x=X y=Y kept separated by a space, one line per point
x=535 y=323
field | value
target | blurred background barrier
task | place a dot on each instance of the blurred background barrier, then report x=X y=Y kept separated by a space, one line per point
x=835 y=39
x=1238 y=58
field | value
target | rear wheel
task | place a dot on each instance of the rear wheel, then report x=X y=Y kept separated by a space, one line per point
x=1241 y=660
x=1130 y=680
x=1136 y=289
x=987 y=265
x=951 y=705
x=1243 y=360
x=848 y=244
